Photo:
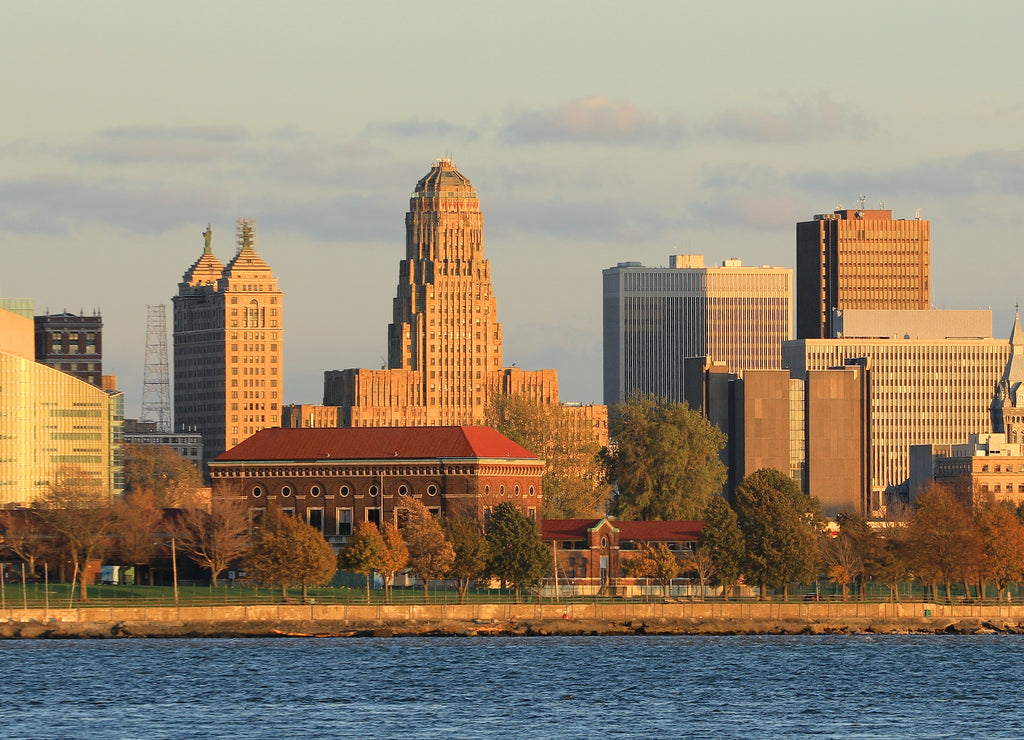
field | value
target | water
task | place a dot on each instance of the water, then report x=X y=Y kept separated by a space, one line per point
x=933 y=686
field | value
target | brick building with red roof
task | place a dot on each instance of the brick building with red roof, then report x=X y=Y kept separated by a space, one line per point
x=335 y=477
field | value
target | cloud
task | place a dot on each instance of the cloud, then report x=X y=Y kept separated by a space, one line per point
x=414 y=128
x=821 y=119
x=995 y=172
x=138 y=144
x=598 y=218
x=596 y=120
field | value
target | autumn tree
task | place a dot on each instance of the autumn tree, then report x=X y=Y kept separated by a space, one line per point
x=665 y=460
x=1002 y=538
x=782 y=529
x=574 y=482
x=517 y=553
x=78 y=510
x=471 y=552
x=943 y=543
x=722 y=539
x=287 y=552
x=363 y=554
x=173 y=480
x=394 y=557
x=701 y=562
x=430 y=554
x=25 y=535
x=138 y=524
x=843 y=563
x=215 y=536
x=656 y=562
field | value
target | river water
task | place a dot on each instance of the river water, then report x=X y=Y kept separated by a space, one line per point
x=936 y=686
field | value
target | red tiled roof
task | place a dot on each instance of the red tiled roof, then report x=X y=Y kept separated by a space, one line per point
x=375 y=443
x=566 y=529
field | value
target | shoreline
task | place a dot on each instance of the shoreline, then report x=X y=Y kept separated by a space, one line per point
x=448 y=620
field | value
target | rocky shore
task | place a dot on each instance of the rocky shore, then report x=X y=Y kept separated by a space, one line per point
x=312 y=628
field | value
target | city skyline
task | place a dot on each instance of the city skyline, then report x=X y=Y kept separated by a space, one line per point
x=594 y=134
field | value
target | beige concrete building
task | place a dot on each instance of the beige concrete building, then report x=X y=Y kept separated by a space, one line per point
x=657 y=317
x=922 y=391
x=445 y=341
x=228 y=346
x=51 y=423
x=986 y=468
x=859 y=259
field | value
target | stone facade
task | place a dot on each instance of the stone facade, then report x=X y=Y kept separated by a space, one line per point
x=72 y=344
x=228 y=350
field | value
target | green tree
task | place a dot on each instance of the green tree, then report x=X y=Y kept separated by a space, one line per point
x=430 y=554
x=722 y=539
x=664 y=461
x=782 y=529
x=78 y=510
x=215 y=536
x=655 y=562
x=288 y=552
x=517 y=553
x=574 y=482
x=173 y=480
x=471 y=552
x=364 y=553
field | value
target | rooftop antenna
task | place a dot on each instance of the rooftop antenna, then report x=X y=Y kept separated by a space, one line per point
x=156 y=386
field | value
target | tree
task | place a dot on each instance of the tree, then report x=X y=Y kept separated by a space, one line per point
x=843 y=564
x=722 y=539
x=364 y=552
x=943 y=542
x=430 y=554
x=78 y=510
x=393 y=557
x=656 y=562
x=288 y=552
x=665 y=459
x=781 y=527
x=138 y=522
x=517 y=553
x=471 y=552
x=215 y=537
x=1002 y=537
x=574 y=482
x=173 y=480
x=25 y=534
x=702 y=562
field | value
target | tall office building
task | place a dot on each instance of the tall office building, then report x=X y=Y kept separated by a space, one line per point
x=656 y=317
x=228 y=351
x=52 y=424
x=859 y=259
x=444 y=342
x=72 y=343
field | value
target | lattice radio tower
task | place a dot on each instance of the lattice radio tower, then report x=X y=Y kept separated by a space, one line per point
x=156 y=384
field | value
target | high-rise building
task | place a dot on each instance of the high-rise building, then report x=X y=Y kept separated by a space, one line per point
x=228 y=351
x=72 y=343
x=859 y=259
x=656 y=317
x=52 y=425
x=444 y=342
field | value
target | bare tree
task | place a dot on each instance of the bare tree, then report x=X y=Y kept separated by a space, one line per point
x=214 y=538
x=138 y=524
x=702 y=562
x=78 y=510
x=25 y=535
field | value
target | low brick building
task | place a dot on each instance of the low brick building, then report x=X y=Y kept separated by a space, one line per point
x=334 y=478
x=590 y=554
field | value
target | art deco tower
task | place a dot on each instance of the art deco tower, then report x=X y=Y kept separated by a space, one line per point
x=444 y=343
x=228 y=346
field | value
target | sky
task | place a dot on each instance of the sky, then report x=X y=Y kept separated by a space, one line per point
x=593 y=132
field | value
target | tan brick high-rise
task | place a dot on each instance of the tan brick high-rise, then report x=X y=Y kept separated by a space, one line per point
x=859 y=259
x=228 y=351
x=444 y=342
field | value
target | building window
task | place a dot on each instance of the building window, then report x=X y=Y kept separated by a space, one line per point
x=314 y=491
x=516 y=490
x=403 y=490
x=501 y=490
x=315 y=519
x=532 y=491
x=286 y=491
x=373 y=491
x=344 y=522
x=344 y=491
x=431 y=490
x=257 y=491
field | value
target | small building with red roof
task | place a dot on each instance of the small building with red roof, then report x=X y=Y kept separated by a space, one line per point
x=590 y=554
x=336 y=477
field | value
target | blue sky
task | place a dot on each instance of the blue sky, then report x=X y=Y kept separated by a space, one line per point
x=594 y=133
